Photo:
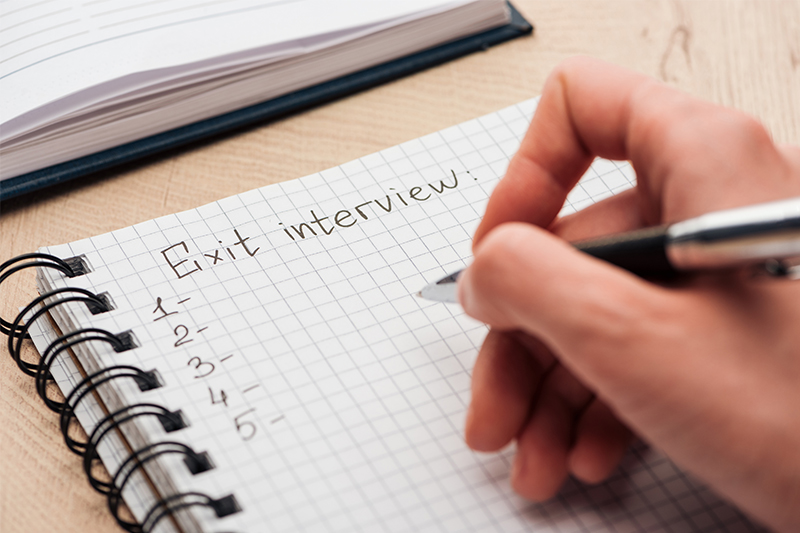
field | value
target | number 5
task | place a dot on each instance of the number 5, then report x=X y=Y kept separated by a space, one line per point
x=246 y=429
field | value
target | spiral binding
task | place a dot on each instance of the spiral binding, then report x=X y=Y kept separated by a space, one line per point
x=145 y=381
x=196 y=462
x=45 y=261
x=17 y=332
x=65 y=342
x=222 y=507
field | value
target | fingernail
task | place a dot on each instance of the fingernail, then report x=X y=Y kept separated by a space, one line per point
x=478 y=438
x=470 y=414
x=517 y=468
x=464 y=289
x=468 y=424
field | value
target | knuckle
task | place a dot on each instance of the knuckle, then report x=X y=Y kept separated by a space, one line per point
x=575 y=64
x=680 y=122
x=569 y=68
x=620 y=325
x=753 y=132
x=604 y=318
x=657 y=114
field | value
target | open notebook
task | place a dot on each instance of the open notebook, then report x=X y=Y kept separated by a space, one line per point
x=89 y=85
x=317 y=393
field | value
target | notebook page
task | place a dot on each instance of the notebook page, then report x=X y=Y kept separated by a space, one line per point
x=330 y=398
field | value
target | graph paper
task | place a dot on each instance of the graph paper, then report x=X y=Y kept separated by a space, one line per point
x=284 y=324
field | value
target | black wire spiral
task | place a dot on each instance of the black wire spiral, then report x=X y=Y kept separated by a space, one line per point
x=224 y=506
x=17 y=332
x=171 y=421
x=145 y=381
x=196 y=462
x=37 y=260
x=65 y=342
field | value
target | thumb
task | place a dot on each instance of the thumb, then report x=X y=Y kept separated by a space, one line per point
x=596 y=317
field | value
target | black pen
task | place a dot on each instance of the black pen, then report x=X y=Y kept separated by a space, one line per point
x=764 y=235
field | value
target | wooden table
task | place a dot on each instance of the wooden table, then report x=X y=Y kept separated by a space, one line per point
x=736 y=53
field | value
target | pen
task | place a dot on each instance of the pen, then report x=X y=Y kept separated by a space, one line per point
x=766 y=235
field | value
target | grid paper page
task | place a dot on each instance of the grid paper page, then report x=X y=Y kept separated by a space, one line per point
x=284 y=325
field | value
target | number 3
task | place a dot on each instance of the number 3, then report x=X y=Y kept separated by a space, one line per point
x=201 y=364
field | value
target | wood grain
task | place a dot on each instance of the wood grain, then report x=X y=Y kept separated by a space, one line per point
x=737 y=53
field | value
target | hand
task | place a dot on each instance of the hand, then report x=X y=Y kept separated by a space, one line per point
x=581 y=353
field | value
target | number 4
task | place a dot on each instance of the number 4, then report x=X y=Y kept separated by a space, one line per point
x=223 y=398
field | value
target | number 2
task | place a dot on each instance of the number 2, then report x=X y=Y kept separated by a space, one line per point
x=181 y=338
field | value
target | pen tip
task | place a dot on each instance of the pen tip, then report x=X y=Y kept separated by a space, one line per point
x=418 y=294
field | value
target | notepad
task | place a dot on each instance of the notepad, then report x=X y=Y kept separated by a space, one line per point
x=285 y=334
x=88 y=85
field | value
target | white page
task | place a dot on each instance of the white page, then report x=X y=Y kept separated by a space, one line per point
x=345 y=394
x=53 y=48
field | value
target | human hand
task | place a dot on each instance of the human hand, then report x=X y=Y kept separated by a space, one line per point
x=580 y=352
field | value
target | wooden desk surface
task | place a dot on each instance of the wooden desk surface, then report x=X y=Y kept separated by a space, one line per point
x=736 y=53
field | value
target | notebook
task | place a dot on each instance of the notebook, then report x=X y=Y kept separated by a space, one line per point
x=137 y=78
x=274 y=371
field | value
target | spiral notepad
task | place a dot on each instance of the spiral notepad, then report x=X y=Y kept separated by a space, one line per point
x=261 y=363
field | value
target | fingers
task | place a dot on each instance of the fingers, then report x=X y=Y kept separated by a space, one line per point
x=692 y=157
x=600 y=442
x=520 y=391
x=525 y=278
x=684 y=150
x=540 y=466
x=584 y=111
x=613 y=215
x=569 y=431
x=504 y=380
